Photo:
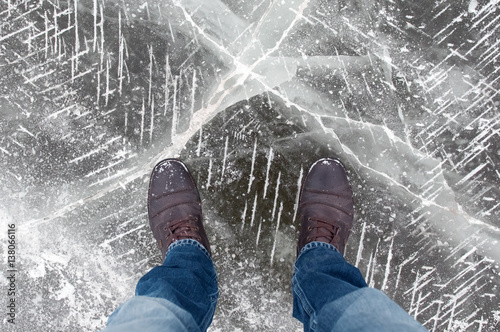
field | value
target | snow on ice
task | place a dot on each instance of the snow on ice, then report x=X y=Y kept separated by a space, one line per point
x=249 y=94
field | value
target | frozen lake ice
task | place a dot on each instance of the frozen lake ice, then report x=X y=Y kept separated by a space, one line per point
x=249 y=94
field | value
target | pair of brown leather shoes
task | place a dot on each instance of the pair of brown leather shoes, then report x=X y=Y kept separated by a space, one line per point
x=325 y=206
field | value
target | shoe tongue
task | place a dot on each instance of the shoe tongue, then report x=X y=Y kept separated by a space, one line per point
x=325 y=234
x=183 y=231
x=324 y=239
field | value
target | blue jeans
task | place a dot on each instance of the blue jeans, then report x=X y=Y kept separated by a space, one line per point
x=179 y=295
x=329 y=295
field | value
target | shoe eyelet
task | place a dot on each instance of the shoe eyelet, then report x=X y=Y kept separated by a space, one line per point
x=198 y=238
x=309 y=228
x=196 y=228
x=165 y=228
x=308 y=238
x=309 y=219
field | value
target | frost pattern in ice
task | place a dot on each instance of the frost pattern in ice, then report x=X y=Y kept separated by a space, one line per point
x=94 y=93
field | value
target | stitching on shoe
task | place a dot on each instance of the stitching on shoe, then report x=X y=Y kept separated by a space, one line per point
x=328 y=193
x=172 y=206
x=330 y=205
x=172 y=193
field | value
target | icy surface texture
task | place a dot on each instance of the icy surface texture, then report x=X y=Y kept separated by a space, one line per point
x=93 y=93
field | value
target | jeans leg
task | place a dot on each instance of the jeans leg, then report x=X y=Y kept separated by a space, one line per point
x=321 y=276
x=182 y=293
x=330 y=294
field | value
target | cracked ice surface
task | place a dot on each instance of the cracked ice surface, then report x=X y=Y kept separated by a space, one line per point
x=94 y=93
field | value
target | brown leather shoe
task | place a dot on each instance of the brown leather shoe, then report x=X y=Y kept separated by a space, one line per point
x=326 y=205
x=174 y=205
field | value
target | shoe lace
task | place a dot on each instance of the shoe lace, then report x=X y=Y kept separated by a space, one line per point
x=321 y=229
x=182 y=229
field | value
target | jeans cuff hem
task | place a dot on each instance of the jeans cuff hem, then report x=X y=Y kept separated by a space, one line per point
x=189 y=242
x=316 y=244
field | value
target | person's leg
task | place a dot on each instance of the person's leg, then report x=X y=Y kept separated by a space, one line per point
x=187 y=278
x=329 y=293
x=181 y=294
x=321 y=276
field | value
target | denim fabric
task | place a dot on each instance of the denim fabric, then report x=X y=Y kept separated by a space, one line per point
x=179 y=295
x=150 y=314
x=330 y=294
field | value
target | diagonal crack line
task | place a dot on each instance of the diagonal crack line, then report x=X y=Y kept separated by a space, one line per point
x=285 y=33
x=425 y=201
x=189 y=18
x=297 y=17
x=199 y=118
x=241 y=68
